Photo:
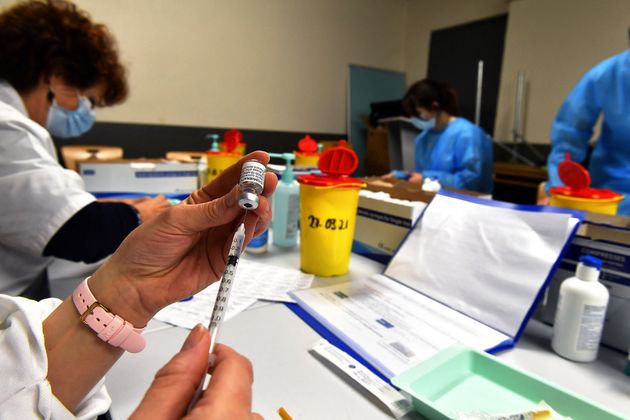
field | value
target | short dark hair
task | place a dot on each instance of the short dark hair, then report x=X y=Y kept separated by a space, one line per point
x=426 y=93
x=42 y=38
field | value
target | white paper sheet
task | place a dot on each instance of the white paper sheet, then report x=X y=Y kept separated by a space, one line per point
x=253 y=281
x=392 y=326
x=270 y=282
x=197 y=310
x=485 y=261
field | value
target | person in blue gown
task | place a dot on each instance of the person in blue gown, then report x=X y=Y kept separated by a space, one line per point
x=449 y=149
x=603 y=91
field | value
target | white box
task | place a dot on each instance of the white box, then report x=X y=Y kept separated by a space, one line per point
x=382 y=224
x=139 y=176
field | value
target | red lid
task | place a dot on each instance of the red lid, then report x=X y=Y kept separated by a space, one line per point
x=232 y=138
x=307 y=144
x=577 y=179
x=336 y=164
x=573 y=174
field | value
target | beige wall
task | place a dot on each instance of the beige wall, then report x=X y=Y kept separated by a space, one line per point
x=282 y=64
x=554 y=42
x=259 y=64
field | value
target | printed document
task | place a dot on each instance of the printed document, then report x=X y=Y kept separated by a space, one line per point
x=390 y=325
x=469 y=272
x=254 y=281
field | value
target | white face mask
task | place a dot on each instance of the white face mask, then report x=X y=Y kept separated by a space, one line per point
x=63 y=123
x=421 y=124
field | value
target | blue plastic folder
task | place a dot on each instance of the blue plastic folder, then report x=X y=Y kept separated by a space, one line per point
x=469 y=267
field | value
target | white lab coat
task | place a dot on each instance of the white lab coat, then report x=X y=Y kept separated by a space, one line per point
x=25 y=392
x=37 y=195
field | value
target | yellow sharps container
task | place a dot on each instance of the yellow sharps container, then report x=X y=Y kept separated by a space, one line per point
x=219 y=161
x=328 y=212
x=306 y=156
x=577 y=194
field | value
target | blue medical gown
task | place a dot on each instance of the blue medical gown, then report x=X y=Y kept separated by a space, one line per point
x=458 y=156
x=605 y=89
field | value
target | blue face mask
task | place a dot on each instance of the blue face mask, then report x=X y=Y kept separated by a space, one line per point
x=421 y=124
x=63 y=123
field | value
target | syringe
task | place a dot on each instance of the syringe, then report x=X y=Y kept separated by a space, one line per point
x=220 y=305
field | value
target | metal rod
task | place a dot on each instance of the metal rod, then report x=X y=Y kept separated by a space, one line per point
x=479 y=89
x=517 y=133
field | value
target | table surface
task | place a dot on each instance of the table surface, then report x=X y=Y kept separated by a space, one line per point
x=286 y=375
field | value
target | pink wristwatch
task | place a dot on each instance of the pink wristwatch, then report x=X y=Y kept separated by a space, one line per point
x=109 y=327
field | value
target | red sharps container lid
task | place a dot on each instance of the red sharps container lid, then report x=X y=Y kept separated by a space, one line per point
x=577 y=181
x=307 y=145
x=336 y=164
x=232 y=138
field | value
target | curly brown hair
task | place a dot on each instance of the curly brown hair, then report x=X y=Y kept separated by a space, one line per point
x=41 y=38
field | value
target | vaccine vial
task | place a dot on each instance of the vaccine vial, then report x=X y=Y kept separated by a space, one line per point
x=251 y=184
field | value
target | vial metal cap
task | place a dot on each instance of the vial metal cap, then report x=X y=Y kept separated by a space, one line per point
x=248 y=200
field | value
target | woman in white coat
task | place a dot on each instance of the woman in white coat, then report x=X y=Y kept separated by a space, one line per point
x=56 y=66
x=55 y=354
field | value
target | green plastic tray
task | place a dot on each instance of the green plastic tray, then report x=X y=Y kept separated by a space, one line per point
x=461 y=380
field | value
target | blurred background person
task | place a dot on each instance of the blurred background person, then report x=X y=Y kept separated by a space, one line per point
x=603 y=91
x=449 y=149
x=57 y=66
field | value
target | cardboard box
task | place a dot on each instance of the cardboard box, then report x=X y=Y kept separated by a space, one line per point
x=381 y=225
x=607 y=238
x=139 y=176
x=377 y=153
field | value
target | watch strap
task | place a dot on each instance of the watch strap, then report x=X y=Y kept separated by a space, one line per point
x=109 y=327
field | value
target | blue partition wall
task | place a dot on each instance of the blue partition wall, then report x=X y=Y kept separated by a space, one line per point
x=367 y=85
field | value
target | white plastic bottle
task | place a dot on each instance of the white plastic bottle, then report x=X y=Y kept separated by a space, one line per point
x=581 y=313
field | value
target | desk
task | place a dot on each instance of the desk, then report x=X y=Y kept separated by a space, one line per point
x=517 y=183
x=285 y=374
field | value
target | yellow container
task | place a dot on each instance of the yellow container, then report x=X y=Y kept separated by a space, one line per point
x=219 y=161
x=327 y=219
x=239 y=149
x=306 y=160
x=576 y=194
x=601 y=205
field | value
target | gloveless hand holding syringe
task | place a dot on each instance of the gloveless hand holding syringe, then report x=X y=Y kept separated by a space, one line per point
x=251 y=185
x=221 y=303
